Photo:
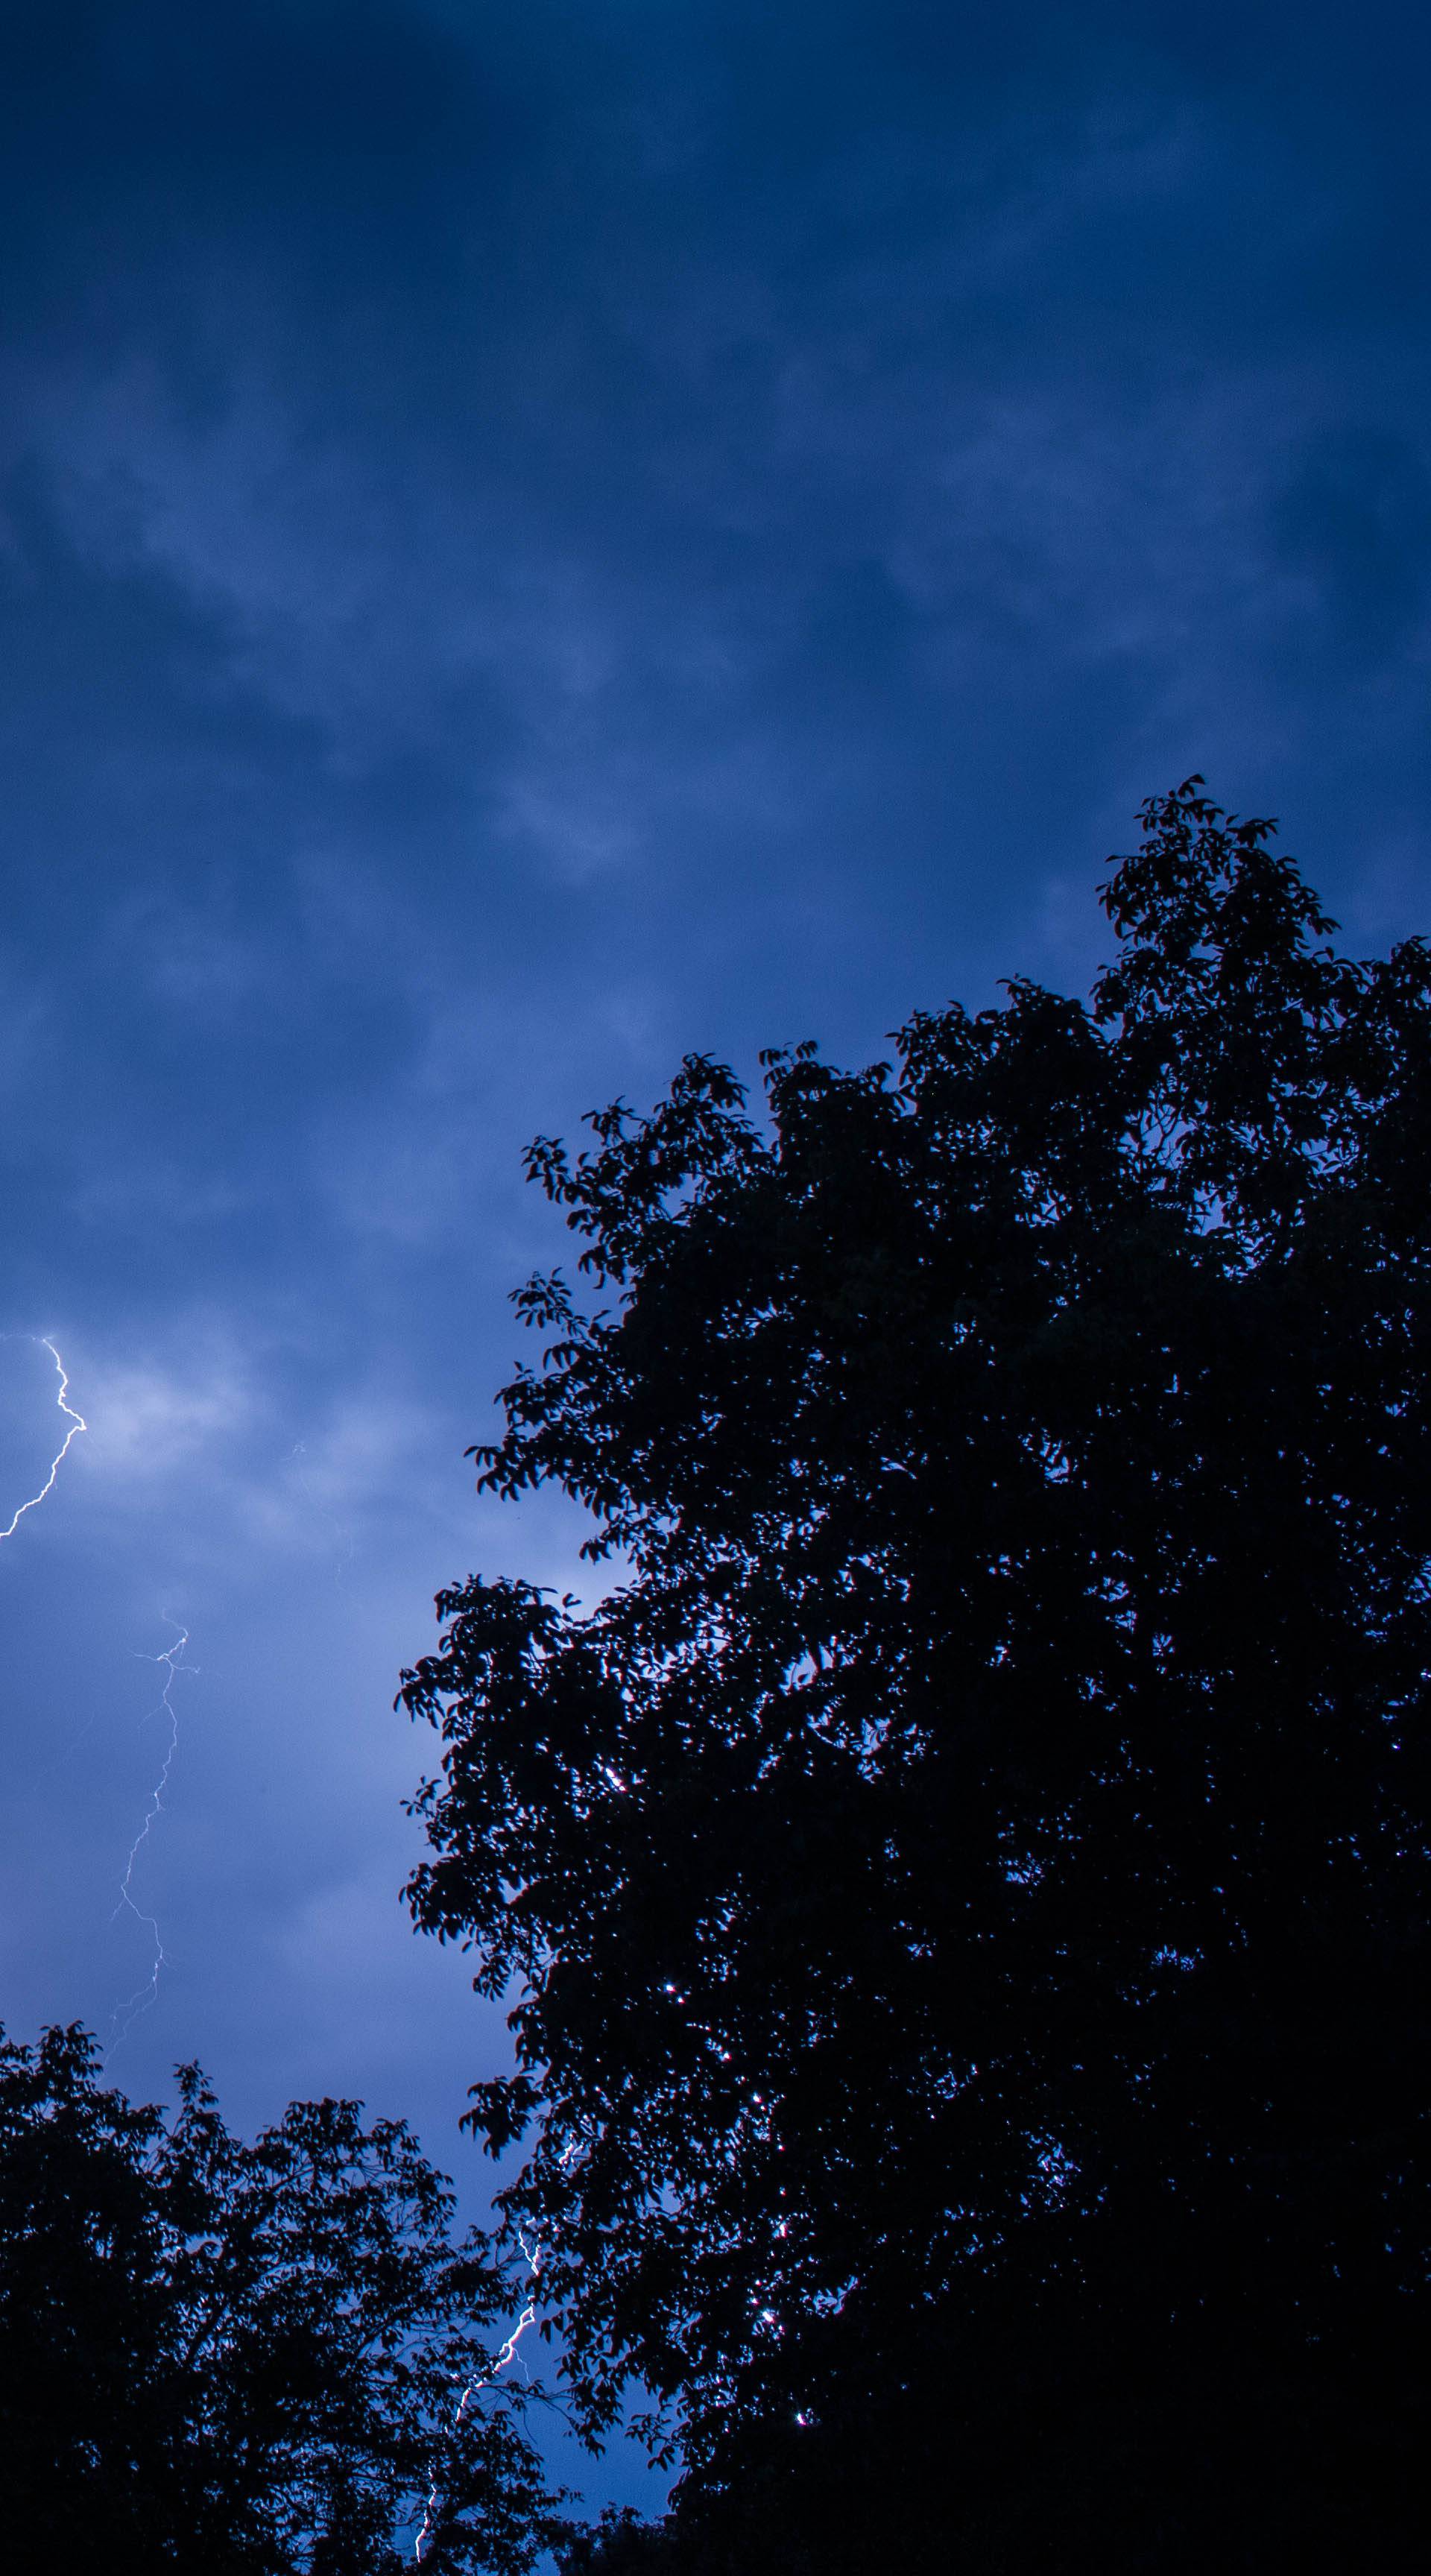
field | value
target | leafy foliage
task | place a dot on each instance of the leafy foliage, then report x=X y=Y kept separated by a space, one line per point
x=240 y=2360
x=966 y=1884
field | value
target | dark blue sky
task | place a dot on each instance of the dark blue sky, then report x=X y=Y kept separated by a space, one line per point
x=534 y=537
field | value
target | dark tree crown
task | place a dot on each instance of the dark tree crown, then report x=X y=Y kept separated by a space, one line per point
x=985 y=1822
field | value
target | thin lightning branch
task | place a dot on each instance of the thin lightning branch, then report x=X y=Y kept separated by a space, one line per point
x=76 y=1422
x=341 y=1530
x=499 y=2362
x=139 y=2002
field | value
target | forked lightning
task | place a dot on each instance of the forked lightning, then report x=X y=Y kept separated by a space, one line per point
x=139 y=2002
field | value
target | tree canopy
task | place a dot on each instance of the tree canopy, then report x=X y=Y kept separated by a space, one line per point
x=234 y=2359
x=964 y=1885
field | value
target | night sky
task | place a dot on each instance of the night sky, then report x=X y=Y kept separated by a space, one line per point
x=536 y=537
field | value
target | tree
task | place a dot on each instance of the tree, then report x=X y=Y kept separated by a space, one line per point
x=241 y=2360
x=965 y=1885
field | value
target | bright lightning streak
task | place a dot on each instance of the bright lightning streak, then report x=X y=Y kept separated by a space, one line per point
x=172 y=1663
x=76 y=1422
x=499 y=2362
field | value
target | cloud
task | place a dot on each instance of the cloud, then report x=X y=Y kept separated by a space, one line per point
x=1351 y=523
x=154 y=1422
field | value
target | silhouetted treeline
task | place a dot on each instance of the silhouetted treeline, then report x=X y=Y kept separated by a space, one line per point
x=966 y=1885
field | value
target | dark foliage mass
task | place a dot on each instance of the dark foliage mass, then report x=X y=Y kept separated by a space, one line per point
x=966 y=1885
x=240 y=2360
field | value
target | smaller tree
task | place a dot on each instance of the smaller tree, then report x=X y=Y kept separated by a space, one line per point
x=245 y=2360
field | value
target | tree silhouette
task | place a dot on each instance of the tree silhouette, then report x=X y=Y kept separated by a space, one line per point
x=966 y=1884
x=240 y=2360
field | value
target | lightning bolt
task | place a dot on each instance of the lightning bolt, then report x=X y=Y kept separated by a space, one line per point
x=500 y=2361
x=76 y=1422
x=172 y=1663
